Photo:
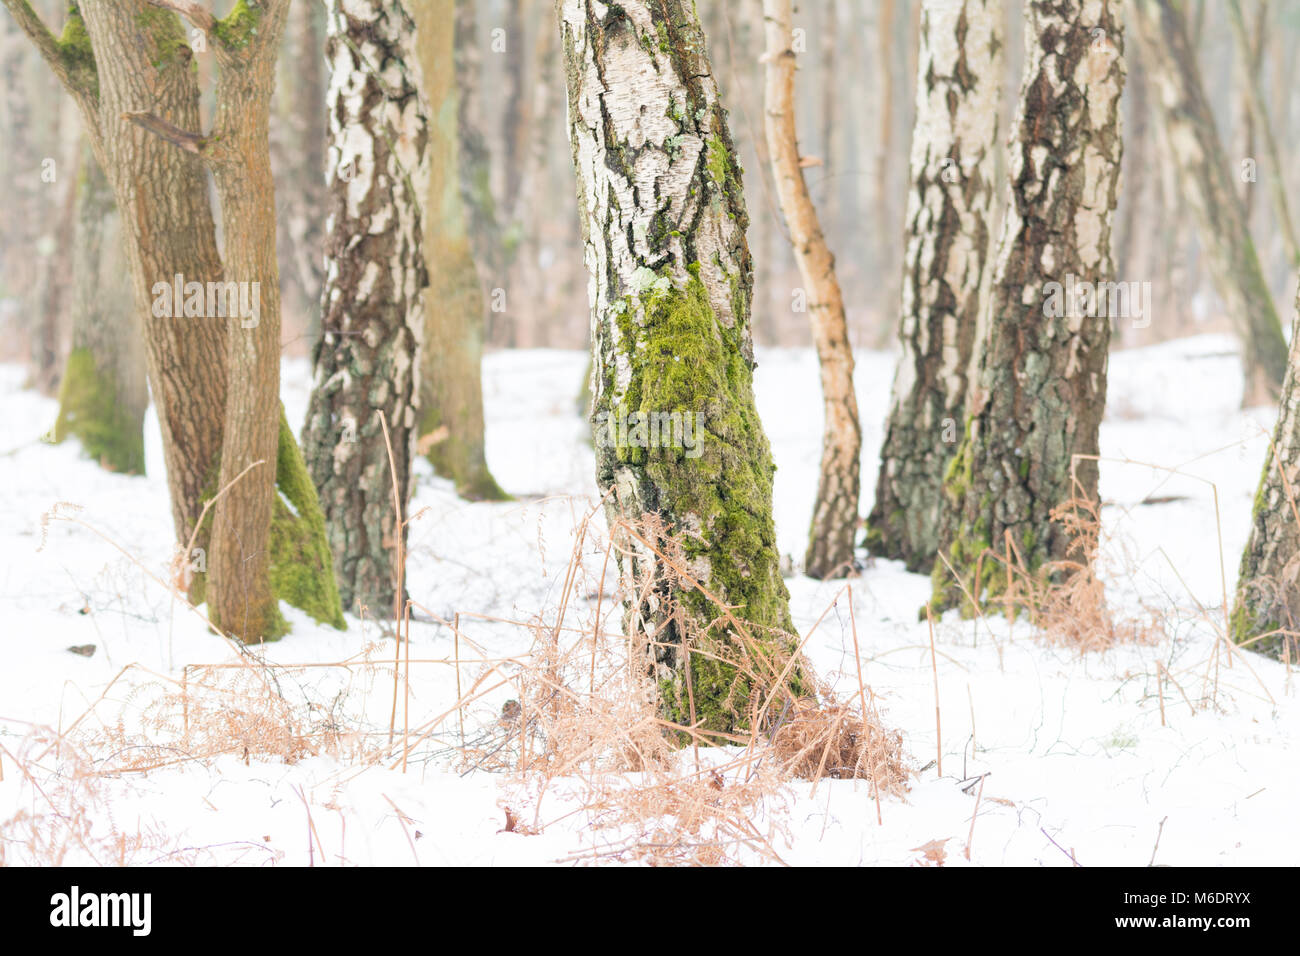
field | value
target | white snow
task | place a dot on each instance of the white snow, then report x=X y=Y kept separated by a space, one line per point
x=1074 y=747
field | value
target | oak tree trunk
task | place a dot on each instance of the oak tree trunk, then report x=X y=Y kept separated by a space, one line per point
x=162 y=196
x=140 y=108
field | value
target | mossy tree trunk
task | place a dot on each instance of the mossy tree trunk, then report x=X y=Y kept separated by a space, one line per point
x=241 y=598
x=103 y=395
x=1207 y=180
x=1041 y=387
x=367 y=360
x=451 y=385
x=1268 y=583
x=664 y=219
x=835 y=512
x=167 y=225
x=948 y=240
x=139 y=102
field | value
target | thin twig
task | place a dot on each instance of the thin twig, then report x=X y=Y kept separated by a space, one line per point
x=1157 y=846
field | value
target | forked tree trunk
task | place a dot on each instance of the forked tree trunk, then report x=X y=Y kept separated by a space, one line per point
x=451 y=384
x=948 y=241
x=242 y=598
x=140 y=107
x=835 y=512
x=1041 y=387
x=1207 y=183
x=1268 y=583
x=162 y=195
x=367 y=361
x=103 y=395
x=663 y=218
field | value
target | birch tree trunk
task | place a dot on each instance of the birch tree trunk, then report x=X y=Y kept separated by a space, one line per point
x=1207 y=183
x=1260 y=124
x=948 y=240
x=367 y=361
x=1268 y=582
x=451 y=385
x=1041 y=386
x=103 y=395
x=835 y=513
x=663 y=218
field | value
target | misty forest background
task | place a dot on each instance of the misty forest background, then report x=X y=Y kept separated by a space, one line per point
x=855 y=109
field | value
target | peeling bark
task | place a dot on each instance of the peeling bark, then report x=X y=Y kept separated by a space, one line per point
x=664 y=220
x=1041 y=385
x=367 y=360
x=835 y=512
x=947 y=245
x=1268 y=583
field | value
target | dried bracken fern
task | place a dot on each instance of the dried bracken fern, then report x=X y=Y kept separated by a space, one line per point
x=1073 y=611
x=1066 y=600
x=587 y=729
x=68 y=812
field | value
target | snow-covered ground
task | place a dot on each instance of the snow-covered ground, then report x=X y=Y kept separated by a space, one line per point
x=1074 y=747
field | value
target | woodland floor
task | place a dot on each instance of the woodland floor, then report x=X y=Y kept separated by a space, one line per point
x=1074 y=746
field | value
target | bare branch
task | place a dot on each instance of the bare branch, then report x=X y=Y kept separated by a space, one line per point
x=194 y=12
x=201 y=146
x=74 y=80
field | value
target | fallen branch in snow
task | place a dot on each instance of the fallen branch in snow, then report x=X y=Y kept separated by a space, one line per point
x=1157 y=846
x=1068 y=853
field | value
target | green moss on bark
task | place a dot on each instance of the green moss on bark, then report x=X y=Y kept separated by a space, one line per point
x=686 y=362
x=1252 y=614
x=78 y=55
x=90 y=411
x=165 y=32
x=301 y=567
x=977 y=571
x=237 y=28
